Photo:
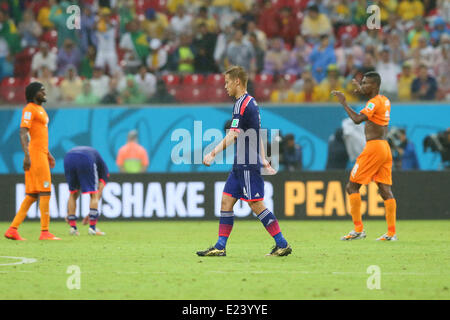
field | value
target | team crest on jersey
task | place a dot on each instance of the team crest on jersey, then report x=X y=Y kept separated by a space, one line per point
x=370 y=105
x=27 y=115
x=235 y=123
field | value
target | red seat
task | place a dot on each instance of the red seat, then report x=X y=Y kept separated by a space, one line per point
x=217 y=94
x=352 y=30
x=265 y=79
x=262 y=93
x=191 y=79
x=215 y=79
x=290 y=78
x=171 y=79
x=193 y=94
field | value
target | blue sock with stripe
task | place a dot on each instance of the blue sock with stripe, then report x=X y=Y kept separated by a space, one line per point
x=225 y=226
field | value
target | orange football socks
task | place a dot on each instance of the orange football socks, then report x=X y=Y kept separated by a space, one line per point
x=44 y=205
x=23 y=210
x=355 y=210
x=391 y=209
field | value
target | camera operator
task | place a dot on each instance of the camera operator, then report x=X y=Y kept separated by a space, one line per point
x=292 y=154
x=439 y=142
x=403 y=151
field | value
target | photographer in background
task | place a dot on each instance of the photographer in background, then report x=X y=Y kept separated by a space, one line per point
x=403 y=151
x=439 y=142
x=292 y=154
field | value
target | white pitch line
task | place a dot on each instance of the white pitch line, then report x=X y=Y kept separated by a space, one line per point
x=23 y=260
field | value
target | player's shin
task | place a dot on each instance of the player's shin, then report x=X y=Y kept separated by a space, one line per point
x=355 y=210
x=391 y=209
x=270 y=222
x=93 y=218
x=225 y=226
x=44 y=207
x=23 y=210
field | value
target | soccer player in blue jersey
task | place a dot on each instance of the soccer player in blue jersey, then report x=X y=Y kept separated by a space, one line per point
x=85 y=170
x=244 y=181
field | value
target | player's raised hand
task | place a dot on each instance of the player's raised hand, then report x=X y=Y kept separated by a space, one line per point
x=339 y=95
x=208 y=159
x=357 y=86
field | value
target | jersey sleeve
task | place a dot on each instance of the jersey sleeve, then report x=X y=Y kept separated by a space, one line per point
x=370 y=108
x=27 y=118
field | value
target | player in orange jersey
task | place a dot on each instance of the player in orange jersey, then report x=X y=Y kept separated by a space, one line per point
x=37 y=162
x=375 y=162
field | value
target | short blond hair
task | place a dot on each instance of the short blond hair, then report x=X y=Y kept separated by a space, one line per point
x=237 y=72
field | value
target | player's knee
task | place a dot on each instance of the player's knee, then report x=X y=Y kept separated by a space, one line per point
x=351 y=188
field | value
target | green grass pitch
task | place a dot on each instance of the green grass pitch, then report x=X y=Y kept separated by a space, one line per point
x=156 y=260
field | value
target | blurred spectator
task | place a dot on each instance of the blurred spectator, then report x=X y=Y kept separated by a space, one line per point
x=426 y=51
x=442 y=67
x=59 y=17
x=354 y=138
x=398 y=48
x=87 y=95
x=297 y=87
x=29 y=29
x=52 y=90
x=341 y=14
x=155 y=24
x=132 y=157
x=267 y=21
x=337 y=153
x=252 y=28
x=127 y=13
x=71 y=85
x=184 y=55
x=315 y=24
x=277 y=58
x=370 y=38
x=131 y=94
x=349 y=68
x=68 y=55
x=310 y=92
x=9 y=37
x=240 y=53
x=88 y=63
x=161 y=95
x=424 y=86
x=288 y=25
x=282 y=93
x=99 y=82
x=106 y=42
x=88 y=21
x=410 y=9
x=292 y=154
x=358 y=10
x=388 y=72
x=113 y=94
x=439 y=28
x=181 y=22
x=146 y=82
x=259 y=53
x=7 y=66
x=44 y=57
x=321 y=56
x=43 y=17
x=404 y=153
x=203 y=46
x=203 y=18
x=223 y=38
x=333 y=81
x=157 y=58
x=404 y=82
x=395 y=25
x=136 y=47
x=417 y=32
x=298 y=56
x=348 y=47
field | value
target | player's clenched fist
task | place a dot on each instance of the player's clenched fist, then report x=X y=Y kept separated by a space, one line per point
x=208 y=159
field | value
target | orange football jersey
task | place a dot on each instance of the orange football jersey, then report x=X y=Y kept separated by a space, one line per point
x=378 y=110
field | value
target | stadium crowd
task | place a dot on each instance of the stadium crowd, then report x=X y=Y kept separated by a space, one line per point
x=158 y=51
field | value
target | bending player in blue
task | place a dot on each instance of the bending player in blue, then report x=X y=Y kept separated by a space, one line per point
x=85 y=169
x=245 y=181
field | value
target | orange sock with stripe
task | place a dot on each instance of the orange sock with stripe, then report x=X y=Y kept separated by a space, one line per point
x=44 y=205
x=391 y=212
x=23 y=210
x=355 y=210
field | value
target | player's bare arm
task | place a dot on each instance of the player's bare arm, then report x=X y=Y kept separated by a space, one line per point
x=356 y=117
x=225 y=143
x=264 y=161
x=25 y=141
